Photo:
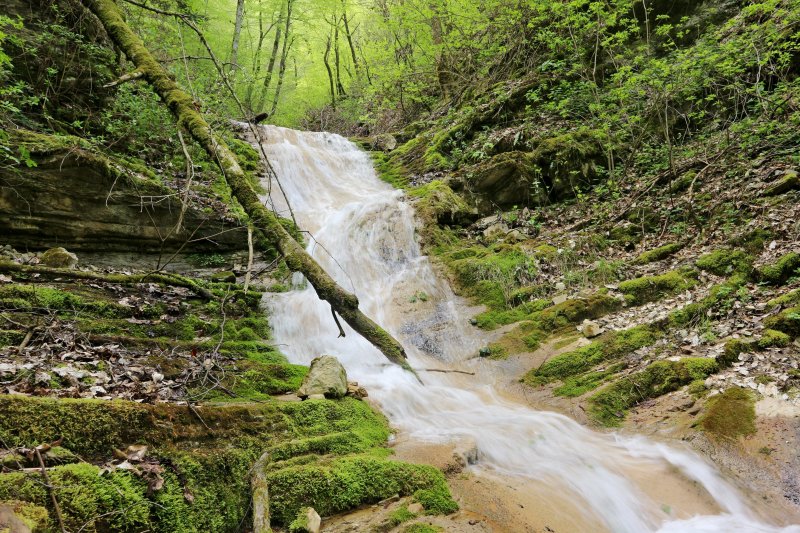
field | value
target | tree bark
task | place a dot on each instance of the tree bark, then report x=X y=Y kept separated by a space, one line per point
x=276 y=43
x=237 y=31
x=349 y=37
x=326 y=58
x=284 y=53
x=265 y=221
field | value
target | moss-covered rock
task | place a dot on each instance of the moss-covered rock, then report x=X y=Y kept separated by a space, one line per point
x=787 y=321
x=725 y=261
x=771 y=338
x=59 y=258
x=652 y=288
x=657 y=254
x=608 y=346
x=349 y=482
x=610 y=403
x=787 y=266
x=730 y=415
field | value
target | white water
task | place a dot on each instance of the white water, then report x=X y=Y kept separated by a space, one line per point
x=369 y=229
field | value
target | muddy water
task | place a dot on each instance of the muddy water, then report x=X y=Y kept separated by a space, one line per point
x=363 y=233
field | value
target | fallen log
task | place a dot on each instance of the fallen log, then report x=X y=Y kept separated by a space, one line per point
x=264 y=221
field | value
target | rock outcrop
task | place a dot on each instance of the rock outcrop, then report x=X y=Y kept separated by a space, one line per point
x=84 y=200
x=326 y=376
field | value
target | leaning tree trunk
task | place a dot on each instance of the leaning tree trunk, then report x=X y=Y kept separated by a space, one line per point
x=265 y=221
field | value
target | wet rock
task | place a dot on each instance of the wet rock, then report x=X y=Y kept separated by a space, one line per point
x=59 y=258
x=326 y=376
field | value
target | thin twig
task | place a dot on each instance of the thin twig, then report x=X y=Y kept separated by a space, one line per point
x=51 y=490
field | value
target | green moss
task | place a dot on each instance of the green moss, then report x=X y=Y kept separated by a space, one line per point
x=787 y=321
x=35 y=517
x=389 y=171
x=789 y=299
x=785 y=267
x=11 y=337
x=726 y=261
x=657 y=254
x=579 y=385
x=610 y=403
x=400 y=515
x=720 y=297
x=733 y=348
x=609 y=346
x=652 y=288
x=772 y=338
x=730 y=415
x=63 y=301
x=88 y=500
x=437 y=202
x=352 y=481
x=422 y=528
x=753 y=241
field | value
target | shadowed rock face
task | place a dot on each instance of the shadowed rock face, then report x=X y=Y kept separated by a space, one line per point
x=85 y=201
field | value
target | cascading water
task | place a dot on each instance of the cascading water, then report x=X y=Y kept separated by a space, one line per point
x=363 y=235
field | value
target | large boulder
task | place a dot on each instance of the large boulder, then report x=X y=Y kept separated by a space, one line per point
x=59 y=258
x=326 y=376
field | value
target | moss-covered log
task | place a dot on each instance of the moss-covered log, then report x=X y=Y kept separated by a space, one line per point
x=267 y=223
x=8 y=267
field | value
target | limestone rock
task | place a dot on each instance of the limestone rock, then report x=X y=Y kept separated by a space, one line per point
x=590 y=329
x=385 y=142
x=307 y=521
x=415 y=508
x=496 y=230
x=559 y=299
x=59 y=258
x=326 y=376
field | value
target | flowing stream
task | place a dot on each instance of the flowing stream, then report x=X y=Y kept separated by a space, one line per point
x=364 y=236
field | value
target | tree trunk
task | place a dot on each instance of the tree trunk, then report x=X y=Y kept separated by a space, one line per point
x=269 y=227
x=271 y=66
x=330 y=72
x=237 y=31
x=337 y=62
x=284 y=52
x=349 y=37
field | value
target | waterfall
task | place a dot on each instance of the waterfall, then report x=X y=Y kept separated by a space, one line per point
x=363 y=233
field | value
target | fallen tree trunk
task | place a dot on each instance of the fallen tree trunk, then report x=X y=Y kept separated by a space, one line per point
x=265 y=221
x=122 y=279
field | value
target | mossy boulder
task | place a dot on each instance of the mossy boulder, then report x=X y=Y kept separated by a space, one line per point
x=725 y=261
x=658 y=254
x=652 y=288
x=59 y=258
x=23 y=517
x=787 y=266
x=326 y=376
x=223 y=277
x=730 y=415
